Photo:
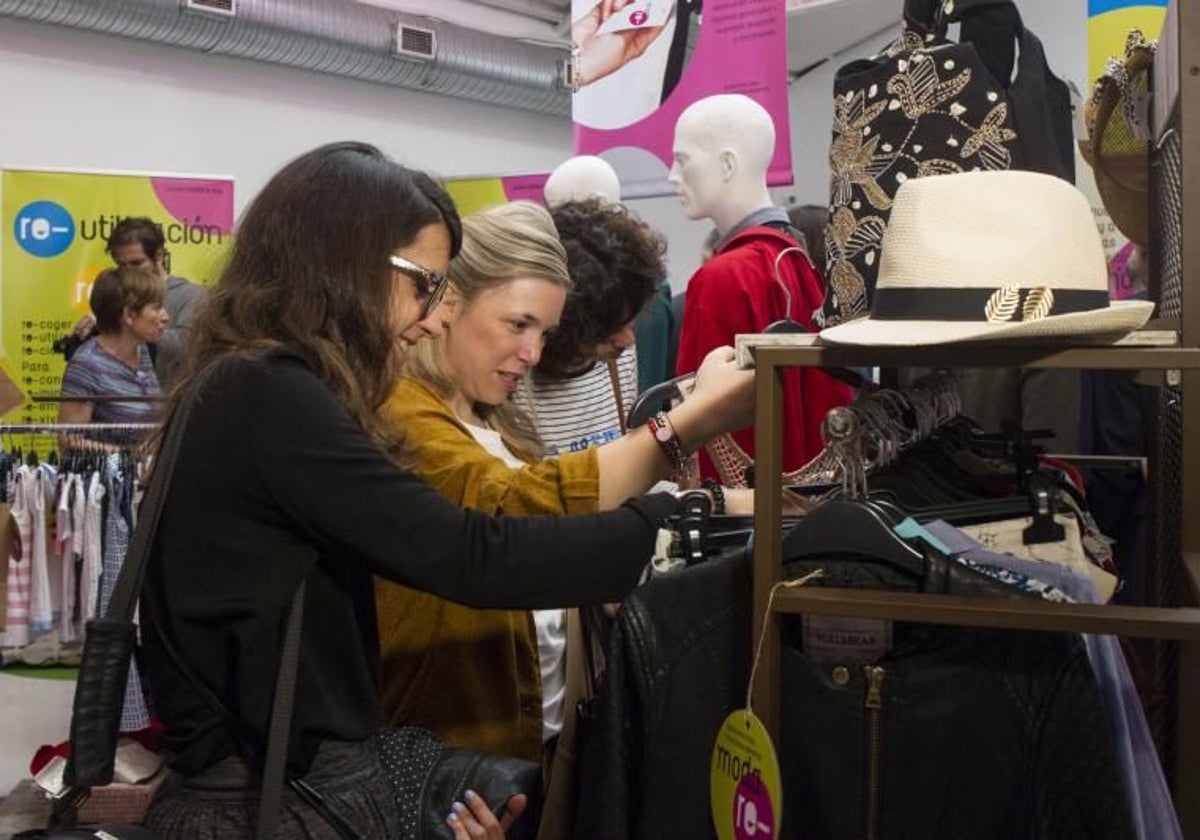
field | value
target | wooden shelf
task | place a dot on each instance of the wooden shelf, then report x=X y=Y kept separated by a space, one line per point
x=1011 y=613
x=1156 y=350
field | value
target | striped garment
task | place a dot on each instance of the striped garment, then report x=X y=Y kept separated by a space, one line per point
x=572 y=415
x=16 y=631
x=94 y=371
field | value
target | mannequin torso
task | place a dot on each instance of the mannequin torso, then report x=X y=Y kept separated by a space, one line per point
x=723 y=148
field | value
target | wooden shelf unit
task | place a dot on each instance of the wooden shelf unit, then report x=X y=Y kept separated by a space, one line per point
x=1178 y=353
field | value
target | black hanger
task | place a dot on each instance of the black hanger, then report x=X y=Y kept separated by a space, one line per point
x=652 y=400
x=842 y=528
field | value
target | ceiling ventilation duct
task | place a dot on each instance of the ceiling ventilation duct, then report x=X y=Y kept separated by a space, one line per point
x=224 y=8
x=339 y=37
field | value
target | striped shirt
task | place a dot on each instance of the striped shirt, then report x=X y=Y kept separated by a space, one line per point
x=93 y=371
x=575 y=414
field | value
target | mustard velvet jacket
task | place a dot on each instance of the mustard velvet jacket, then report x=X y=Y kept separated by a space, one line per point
x=472 y=676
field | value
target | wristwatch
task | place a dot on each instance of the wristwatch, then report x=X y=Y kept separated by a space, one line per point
x=662 y=428
x=664 y=435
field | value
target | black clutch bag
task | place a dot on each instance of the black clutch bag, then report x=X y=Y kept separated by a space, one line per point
x=427 y=778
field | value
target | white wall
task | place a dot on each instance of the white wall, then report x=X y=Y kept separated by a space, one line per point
x=84 y=100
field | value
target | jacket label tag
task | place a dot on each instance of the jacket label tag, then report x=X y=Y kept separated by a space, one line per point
x=855 y=639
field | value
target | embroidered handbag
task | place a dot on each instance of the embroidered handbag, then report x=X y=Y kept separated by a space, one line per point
x=930 y=106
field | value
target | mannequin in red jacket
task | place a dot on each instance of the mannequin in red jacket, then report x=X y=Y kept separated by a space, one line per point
x=723 y=147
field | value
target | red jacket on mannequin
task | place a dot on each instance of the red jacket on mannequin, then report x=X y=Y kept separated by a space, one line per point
x=736 y=292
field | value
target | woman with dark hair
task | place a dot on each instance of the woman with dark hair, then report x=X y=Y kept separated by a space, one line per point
x=282 y=478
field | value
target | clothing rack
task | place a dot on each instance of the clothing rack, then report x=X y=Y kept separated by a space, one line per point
x=59 y=428
x=93 y=398
x=1175 y=349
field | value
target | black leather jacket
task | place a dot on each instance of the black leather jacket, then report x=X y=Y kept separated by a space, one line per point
x=977 y=734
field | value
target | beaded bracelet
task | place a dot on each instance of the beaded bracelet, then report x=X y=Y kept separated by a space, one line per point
x=718 y=494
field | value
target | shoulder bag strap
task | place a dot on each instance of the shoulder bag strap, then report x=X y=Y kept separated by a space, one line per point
x=133 y=570
x=280 y=729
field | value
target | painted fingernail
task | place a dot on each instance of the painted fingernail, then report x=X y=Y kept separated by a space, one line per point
x=470 y=794
x=451 y=817
x=459 y=807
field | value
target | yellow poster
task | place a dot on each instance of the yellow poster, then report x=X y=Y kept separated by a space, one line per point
x=474 y=194
x=55 y=225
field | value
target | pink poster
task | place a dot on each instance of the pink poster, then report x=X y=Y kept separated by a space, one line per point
x=639 y=63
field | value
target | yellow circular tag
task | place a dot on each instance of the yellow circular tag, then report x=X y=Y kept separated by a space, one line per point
x=743 y=786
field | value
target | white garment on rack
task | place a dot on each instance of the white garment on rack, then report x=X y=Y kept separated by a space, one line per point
x=41 y=611
x=16 y=631
x=64 y=524
x=93 y=557
x=78 y=512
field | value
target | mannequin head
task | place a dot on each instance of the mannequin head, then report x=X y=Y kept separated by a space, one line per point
x=723 y=148
x=580 y=178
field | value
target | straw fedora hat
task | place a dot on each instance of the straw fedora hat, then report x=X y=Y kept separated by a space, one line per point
x=991 y=255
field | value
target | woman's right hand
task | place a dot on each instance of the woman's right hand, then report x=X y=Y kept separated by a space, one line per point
x=476 y=820
x=722 y=399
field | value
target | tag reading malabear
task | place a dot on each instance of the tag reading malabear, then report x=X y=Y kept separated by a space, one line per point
x=643 y=14
x=744 y=787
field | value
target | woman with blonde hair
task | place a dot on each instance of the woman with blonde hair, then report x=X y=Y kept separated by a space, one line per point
x=505 y=681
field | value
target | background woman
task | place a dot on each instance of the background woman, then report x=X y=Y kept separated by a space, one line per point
x=282 y=478
x=499 y=681
x=128 y=305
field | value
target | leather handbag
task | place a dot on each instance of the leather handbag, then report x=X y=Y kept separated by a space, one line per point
x=931 y=106
x=428 y=777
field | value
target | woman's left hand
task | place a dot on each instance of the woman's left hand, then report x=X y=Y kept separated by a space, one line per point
x=476 y=820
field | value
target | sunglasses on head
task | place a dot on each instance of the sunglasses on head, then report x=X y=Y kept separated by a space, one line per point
x=430 y=286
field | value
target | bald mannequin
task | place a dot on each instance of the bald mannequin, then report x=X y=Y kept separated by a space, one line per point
x=723 y=148
x=582 y=177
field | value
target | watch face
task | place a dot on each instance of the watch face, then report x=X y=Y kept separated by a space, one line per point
x=662 y=432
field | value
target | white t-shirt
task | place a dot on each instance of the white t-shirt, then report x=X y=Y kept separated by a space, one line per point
x=551 y=625
x=573 y=415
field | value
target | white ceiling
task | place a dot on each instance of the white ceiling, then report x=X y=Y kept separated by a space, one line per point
x=817 y=29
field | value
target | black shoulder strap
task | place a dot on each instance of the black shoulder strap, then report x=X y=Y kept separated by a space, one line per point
x=280 y=731
x=133 y=571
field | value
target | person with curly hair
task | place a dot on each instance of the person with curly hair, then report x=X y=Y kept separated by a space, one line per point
x=508 y=681
x=586 y=381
